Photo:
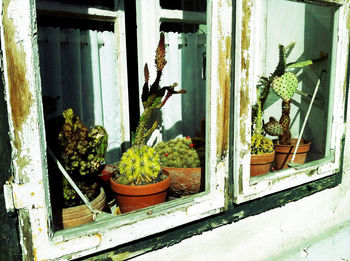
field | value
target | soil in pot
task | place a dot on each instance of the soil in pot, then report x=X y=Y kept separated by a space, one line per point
x=261 y=164
x=184 y=181
x=131 y=198
x=284 y=153
x=79 y=215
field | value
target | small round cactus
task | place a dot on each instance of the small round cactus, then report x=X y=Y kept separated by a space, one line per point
x=139 y=165
x=261 y=144
x=178 y=153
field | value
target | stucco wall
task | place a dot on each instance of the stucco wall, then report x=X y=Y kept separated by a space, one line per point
x=296 y=231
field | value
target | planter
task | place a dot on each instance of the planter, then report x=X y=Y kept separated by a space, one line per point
x=79 y=215
x=108 y=172
x=284 y=153
x=184 y=181
x=261 y=164
x=130 y=198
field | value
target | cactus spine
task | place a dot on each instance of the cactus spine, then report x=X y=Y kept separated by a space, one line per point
x=178 y=153
x=139 y=165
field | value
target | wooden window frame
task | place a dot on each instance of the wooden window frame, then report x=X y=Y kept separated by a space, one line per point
x=30 y=187
x=246 y=35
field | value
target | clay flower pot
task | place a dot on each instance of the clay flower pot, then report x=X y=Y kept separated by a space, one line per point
x=261 y=164
x=79 y=215
x=107 y=172
x=130 y=198
x=184 y=181
x=284 y=153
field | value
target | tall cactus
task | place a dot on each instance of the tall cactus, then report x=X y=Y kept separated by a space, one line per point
x=285 y=85
x=152 y=95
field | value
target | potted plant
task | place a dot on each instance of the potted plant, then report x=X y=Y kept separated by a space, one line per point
x=140 y=180
x=262 y=152
x=180 y=158
x=82 y=153
x=285 y=83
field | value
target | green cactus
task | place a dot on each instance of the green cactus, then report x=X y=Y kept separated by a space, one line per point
x=152 y=95
x=284 y=85
x=139 y=165
x=178 y=153
x=273 y=127
x=261 y=144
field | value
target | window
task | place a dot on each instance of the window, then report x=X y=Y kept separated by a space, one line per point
x=308 y=31
x=23 y=47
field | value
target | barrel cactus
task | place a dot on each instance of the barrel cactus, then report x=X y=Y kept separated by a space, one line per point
x=261 y=144
x=178 y=153
x=139 y=165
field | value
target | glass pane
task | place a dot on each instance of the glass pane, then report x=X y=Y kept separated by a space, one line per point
x=303 y=33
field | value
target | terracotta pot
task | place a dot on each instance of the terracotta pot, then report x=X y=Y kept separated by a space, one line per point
x=130 y=198
x=261 y=164
x=284 y=153
x=79 y=215
x=108 y=172
x=184 y=181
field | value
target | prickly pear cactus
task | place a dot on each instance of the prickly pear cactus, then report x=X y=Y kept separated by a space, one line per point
x=273 y=127
x=139 y=165
x=178 y=153
x=285 y=86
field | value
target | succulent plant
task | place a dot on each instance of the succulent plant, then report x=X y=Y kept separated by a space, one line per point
x=82 y=151
x=139 y=165
x=261 y=144
x=152 y=95
x=178 y=153
x=285 y=85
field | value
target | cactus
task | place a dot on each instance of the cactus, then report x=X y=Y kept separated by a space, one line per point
x=285 y=85
x=178 y=153
x=261 y=144
x=152 y=96
x=139 y=165
x=273 y=127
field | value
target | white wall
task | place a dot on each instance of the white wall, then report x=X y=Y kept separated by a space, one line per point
x=296 y=231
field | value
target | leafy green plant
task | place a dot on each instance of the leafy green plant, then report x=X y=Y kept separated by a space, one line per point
x=178 y=153
x=139 y=165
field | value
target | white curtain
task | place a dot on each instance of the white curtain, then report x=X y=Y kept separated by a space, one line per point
x=185 y=55
x=80 y=68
